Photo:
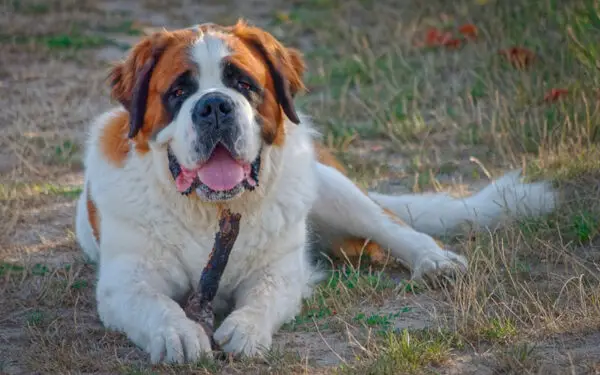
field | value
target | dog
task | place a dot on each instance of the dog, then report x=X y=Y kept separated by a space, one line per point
x=206 y=119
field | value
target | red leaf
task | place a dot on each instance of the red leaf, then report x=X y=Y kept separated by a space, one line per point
x=444 y=38
x=555 y=94
x=469 y=31
x=518 y=56
x=452 y=43
x=435 y=38
x=432 y=37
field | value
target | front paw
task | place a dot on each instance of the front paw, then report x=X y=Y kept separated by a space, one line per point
x=178 y=342
x=244 y=332
x=439 y=265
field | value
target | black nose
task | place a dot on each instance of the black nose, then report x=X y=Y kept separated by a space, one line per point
x=212 y=107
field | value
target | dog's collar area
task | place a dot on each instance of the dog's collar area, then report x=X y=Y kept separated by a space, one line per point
x=249 y=184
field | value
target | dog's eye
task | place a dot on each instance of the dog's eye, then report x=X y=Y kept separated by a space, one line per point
x=178 y=93
x=244 y=85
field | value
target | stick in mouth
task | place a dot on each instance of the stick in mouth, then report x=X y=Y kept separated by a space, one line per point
x=199 y=305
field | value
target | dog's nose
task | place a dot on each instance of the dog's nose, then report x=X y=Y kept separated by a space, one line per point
x=212 y=107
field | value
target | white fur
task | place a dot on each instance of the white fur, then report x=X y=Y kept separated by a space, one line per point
x=154 y=242
x=505 y=198
x=343 y=210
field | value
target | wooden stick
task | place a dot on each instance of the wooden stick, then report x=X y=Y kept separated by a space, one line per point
x=199 y=304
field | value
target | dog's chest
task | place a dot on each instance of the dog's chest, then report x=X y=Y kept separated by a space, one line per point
x=249 y=253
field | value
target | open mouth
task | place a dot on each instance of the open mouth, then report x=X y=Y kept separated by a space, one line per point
x=221 y=177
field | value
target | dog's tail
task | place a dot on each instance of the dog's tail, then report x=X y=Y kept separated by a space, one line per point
x=439 y=213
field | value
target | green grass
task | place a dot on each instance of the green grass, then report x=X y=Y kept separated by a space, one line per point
x=381 y=322
x=16 y=191
x=7 y=268
x=36 y=318
x=73 y=41
x=407 y=352
x=500 y=330
x=335 y=296
x=33 y=8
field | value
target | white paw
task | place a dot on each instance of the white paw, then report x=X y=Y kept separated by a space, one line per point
x=244 y=332
x=438 y=265
x=182 y=341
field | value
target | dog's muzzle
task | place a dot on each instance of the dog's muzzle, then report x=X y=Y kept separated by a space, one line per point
x=209 y=186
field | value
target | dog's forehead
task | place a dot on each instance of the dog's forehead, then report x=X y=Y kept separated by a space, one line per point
x=208 y=52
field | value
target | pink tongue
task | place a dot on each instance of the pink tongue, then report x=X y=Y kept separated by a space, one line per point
x=221 y=172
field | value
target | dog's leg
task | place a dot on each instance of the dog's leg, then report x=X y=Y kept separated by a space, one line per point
x=135 y=292
x=343 y=211
x=271 y=296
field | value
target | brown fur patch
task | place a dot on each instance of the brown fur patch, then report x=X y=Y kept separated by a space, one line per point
x=289 y=61
x=173 y=61
x=353 y=248
x=93 y=216
x=114 y=143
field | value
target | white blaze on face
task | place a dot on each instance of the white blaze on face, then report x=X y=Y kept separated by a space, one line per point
x=208 y=52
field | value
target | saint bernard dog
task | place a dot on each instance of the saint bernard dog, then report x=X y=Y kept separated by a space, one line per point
x=206 y=120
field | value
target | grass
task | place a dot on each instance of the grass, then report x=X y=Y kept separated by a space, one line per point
x=407 y=351
x=402 y=117
x=339 y=294
x=59 y=41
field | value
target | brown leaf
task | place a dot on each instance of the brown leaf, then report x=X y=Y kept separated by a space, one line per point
x=519 y=57
x=555 y=94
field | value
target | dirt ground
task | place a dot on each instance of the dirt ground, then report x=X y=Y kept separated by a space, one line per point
x=412 y=96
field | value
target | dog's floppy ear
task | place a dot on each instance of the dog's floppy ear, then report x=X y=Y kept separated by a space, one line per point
x=286 y=65
x=130 y=80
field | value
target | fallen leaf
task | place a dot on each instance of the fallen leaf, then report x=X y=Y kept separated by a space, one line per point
x=452 y=43
x=432 y=37
x=445 y=38
x=435 y=38
x=518 y=56
x=469 y=30
x=555 y=94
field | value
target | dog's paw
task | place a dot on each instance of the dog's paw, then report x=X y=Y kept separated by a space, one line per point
x=244 y=332
x=439 y=266
x=182 y=341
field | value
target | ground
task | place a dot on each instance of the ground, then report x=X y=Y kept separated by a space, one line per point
x=413 y=96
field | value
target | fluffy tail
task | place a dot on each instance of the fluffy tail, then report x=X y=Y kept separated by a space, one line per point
x=439 y=213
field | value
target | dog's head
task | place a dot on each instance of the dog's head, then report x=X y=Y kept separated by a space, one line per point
x=211 y=98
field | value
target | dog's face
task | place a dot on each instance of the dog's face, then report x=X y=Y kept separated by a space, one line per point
x=209 y=99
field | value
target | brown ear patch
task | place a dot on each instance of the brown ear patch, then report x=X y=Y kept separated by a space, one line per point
x=139 y=96
x=149 y=70
x=281 y=83
x=282 y=69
